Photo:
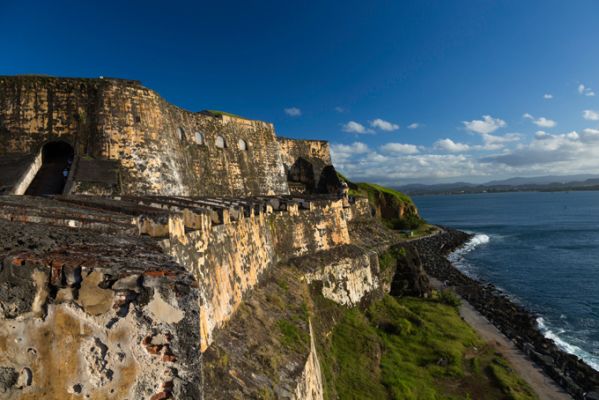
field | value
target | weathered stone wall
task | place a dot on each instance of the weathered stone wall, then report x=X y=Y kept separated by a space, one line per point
x=346 y=276
x=321 y=226
x=358 y=208
x=229 y=259
x=88 y=315
x=136 y=324
x=316 y=152
x=162 y=149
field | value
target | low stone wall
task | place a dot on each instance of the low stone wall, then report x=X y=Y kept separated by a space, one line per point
x=25 y=180
x=13 y=170
x=93 y=177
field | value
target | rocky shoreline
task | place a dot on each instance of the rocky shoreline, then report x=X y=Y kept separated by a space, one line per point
x=513 y=320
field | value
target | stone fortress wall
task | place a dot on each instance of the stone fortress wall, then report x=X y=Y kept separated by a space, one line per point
x=170 y=225
x=155 y=147
x=134 y=320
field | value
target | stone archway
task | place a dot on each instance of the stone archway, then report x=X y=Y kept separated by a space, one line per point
x=57 y=159
x=302 y=171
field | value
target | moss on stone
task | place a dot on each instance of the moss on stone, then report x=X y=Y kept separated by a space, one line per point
x=394 y=208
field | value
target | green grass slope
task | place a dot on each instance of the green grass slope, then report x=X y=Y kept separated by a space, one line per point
x=412 y=348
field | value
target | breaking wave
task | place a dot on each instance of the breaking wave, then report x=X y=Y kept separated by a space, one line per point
x=457 y=259
x=457 y=256
x=591 y=360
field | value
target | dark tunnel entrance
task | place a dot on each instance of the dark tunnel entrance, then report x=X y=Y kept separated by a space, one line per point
x=57 y=158
x=302 y=172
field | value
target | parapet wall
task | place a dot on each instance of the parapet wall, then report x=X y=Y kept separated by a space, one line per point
x=134 y=322
x=229 y=259
x=161 y=149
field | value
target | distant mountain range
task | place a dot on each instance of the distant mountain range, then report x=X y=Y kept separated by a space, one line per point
x=548 y=183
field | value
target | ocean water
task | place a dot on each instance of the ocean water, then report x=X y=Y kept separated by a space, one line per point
x=542 y=249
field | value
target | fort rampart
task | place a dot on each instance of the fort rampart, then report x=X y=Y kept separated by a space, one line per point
x=157 y=148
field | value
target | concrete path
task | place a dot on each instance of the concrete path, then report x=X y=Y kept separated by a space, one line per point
x=542 y=384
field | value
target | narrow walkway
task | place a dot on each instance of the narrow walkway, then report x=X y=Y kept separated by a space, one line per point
x=542 y=384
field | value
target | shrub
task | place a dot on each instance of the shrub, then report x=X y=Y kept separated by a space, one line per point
x=449 y=297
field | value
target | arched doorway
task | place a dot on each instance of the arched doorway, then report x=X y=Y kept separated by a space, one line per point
x=302 y=172
x=57 y=159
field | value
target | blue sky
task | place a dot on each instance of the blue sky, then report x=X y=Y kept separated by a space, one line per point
x=405 y=91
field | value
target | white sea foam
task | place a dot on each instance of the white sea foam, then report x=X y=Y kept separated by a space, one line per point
x=591 y=360
x=457 y=257
x=478 y=239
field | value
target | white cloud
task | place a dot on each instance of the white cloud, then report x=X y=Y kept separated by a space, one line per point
x=451 y=146
x=394 y=168
x=343 y=152
x=548 y=96
x=585 y=91
x=590 y=115
x=293 y=111
x=356 y=127
x=340 y=110
x=414 y=125
x=542 y=121
x=570 y=152
x=540 y=135
x=545 y=122
x=384 y=125
x=497 y=139
x=511 y=154
x=354 y=148
x=487 y=125
x=400 y=148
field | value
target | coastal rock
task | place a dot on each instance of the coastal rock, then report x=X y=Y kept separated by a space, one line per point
x=594 y=395
x=410 y=278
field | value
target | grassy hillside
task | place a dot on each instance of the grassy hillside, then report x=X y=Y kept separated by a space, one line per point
x=395 y=209
x=412 y=348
